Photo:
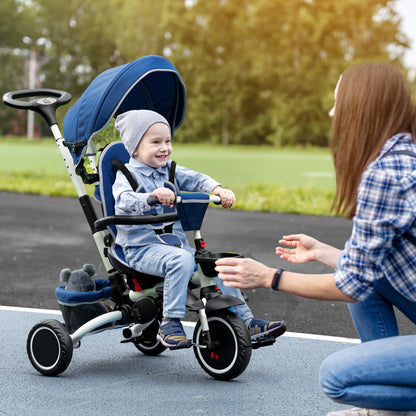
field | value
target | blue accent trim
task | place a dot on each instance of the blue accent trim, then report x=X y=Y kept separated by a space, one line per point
x=103 y=291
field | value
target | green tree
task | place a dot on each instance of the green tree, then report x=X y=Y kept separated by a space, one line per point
x=256 y=71
x=90 y=36
x=76 y=51
x=261 y=71
x=15 y=28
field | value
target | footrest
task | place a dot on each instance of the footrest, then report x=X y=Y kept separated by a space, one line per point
x=263 y=342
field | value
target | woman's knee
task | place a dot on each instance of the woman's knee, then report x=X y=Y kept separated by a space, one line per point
x=330 y=378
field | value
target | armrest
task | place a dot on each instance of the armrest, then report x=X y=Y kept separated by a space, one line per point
x=102 y=223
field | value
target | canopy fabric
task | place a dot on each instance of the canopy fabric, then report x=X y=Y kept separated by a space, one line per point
x=150 y=82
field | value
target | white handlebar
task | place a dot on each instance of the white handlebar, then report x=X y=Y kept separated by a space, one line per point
x=215 y=199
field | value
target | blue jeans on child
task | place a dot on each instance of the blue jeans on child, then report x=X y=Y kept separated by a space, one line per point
x=177 y=265
x=375 y=318
x=378 y=374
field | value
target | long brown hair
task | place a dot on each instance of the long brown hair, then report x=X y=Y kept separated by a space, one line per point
x=373 y=103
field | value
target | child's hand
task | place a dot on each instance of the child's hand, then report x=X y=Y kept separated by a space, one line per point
x=227 y=196
x=165 y=196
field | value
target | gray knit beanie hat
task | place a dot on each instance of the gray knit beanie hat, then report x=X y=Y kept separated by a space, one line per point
x=133 y=124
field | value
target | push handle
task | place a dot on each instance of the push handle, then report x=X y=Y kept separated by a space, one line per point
x=45 y=103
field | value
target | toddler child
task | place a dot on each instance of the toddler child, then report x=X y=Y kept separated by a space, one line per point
x=147 y=138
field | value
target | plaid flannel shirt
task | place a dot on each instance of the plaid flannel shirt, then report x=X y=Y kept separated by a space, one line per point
x=386 y=209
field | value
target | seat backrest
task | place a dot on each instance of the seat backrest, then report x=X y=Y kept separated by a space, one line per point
x=108 y=172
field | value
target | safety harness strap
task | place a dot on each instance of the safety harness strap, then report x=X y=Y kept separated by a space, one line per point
x=169 y=227
x=121 y=166
x=172 y=172
x=161 y=233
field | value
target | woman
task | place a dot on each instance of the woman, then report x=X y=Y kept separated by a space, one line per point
x=372 y=118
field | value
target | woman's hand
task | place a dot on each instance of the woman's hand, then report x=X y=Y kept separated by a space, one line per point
x=305 y=249
x=244 y=273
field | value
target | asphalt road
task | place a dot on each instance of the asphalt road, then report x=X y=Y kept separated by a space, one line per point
x=42 y=235
x=106 y=377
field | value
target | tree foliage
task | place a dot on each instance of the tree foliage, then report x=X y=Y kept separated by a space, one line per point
x=261 y=71
x=15 y=30
x=256 y=71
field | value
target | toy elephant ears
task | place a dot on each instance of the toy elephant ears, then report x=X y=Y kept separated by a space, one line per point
x=89 y=268
x=64 y=275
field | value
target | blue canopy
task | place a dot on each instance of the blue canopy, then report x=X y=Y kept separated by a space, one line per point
x=150 y=82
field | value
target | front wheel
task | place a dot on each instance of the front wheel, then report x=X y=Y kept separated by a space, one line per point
x=232 y=346
x=148 y=344
x=49 y=347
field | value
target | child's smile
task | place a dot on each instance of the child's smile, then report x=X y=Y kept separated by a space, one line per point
x=155 y=146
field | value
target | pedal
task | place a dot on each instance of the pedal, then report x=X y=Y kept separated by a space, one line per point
x=199 y=346
x=182 y=346
x=125 y=341
x=263 y=342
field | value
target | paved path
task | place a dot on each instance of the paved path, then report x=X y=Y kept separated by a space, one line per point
x=109 y=378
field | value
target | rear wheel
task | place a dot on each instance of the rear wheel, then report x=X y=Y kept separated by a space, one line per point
x=49 y=347
x=232 y=346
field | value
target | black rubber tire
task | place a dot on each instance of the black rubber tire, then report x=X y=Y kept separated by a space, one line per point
x=149 y=347
x=148 y=344
x=233 y=351
x=49 y=347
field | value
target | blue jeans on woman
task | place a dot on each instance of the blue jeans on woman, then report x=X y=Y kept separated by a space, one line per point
x=177 y=266
x=378 y=374
x=374 y=318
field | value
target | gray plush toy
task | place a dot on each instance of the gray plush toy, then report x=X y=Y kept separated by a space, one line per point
x=80 y=281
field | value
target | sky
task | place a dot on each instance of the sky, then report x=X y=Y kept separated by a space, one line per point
x=407 y=10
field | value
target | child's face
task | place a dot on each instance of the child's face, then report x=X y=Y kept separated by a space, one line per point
x=155 y=146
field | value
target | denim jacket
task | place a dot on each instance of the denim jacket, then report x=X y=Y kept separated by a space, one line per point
x=128 y=202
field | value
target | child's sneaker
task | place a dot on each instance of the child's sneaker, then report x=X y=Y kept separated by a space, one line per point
x=172 y=335
x=259 y=328
x=358 y=411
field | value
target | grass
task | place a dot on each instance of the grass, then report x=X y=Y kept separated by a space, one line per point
x=263 y=179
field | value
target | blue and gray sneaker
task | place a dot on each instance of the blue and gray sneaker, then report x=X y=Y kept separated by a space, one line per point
x=172 y=335
x=264 y=333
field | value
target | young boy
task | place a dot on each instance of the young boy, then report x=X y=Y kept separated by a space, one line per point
x=147 y=138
